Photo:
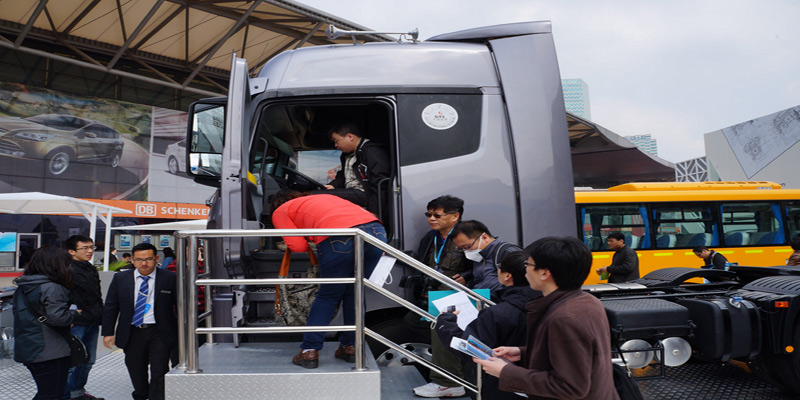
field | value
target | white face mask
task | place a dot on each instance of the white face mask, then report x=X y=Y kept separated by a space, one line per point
x=475 y=255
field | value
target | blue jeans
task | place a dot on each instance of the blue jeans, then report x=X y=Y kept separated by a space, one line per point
x=80 y=374
x=51 y=378
x=336 y=260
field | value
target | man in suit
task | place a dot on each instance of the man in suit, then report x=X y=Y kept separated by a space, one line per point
x=146 y=328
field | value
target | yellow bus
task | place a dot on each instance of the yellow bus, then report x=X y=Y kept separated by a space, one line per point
x=750 y=223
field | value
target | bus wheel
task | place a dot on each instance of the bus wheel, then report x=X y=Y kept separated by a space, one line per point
x=785 y=368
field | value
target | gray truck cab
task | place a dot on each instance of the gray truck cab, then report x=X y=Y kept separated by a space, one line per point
x=478 y=114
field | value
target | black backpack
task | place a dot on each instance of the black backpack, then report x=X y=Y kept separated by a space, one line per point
x=627 y=389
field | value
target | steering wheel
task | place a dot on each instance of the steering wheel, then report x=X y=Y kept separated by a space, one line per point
x=299 y=180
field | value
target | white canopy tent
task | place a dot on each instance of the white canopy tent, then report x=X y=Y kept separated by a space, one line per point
x=43 y=203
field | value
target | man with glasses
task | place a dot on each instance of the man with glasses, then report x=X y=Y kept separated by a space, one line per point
x=87 y=297
x=141 y=303
x=484 y=250
x=437 y=250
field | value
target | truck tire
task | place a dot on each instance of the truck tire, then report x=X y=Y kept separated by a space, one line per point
x=785 y=368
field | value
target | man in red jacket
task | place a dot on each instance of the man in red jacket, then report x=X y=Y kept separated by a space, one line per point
x=295 y=210
x=568 y=346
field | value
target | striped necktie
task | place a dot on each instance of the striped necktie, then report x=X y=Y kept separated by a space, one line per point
x=141 y=302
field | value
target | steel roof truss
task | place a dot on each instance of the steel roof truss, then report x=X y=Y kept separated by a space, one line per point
x=34 y=16
x=235 y=28
x=134 y=34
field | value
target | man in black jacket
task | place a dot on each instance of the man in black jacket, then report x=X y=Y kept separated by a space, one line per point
x=502 y=323
x=364 y=165
x=85 y=295
x=625 y=263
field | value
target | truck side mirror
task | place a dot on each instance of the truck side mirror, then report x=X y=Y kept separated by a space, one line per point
x=205 y=139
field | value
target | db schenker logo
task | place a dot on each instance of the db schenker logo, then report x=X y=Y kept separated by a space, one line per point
x=146 y=209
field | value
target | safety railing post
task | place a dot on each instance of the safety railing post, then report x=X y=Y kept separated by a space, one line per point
x=191 y=320
x=359 y=301
x=180 y=288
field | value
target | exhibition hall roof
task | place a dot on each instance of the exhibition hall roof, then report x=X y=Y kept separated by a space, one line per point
x=194 y=35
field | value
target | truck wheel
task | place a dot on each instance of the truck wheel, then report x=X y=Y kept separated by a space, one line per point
x=58 y=161
x=785 y=368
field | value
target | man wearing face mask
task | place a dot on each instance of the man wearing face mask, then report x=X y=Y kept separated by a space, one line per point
x=485 y=251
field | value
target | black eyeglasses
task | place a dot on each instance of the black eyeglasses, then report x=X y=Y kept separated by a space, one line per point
x=85 y=248
x=527 y=264
x=472 y=244
x=437 y=216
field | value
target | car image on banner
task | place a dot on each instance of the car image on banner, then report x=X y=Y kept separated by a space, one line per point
x=60 y=140
x=176 y=157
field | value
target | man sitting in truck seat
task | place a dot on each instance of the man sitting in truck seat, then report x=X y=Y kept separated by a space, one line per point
x=501 y=324
x=294 y=210
x=625 y=263
x=568 y=341
x=437 y=250
x=364 y=165
x=484 y=250
x=712 y=259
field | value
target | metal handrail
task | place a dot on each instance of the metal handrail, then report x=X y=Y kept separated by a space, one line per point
x=188 y=349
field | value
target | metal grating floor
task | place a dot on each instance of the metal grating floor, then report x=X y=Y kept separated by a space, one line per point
x=712 y=381
x=108 y=378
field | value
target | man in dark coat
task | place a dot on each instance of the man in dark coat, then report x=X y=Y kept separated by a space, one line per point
x=87 y=297
x=567 y=349
x=625 y=263
x=501 y=324
x=147 y=327
x=364 y=165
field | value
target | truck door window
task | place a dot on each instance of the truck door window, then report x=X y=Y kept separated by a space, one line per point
x=793 y=218
x=420 y=142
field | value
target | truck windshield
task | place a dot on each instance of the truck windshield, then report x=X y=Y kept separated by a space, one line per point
x=321 y=165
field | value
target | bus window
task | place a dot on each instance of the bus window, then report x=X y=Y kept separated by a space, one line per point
x=598 y=221
x=751 y=224
x=793 y=218
x=684 y=226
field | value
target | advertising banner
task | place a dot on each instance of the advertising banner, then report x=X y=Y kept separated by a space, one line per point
x=92 y=148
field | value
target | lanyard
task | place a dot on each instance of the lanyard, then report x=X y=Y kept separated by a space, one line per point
x=438 y=255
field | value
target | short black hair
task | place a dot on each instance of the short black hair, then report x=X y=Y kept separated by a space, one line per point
x=514 y=264
x=699 y=249
x=344 y=128
x=616 y=235
x=450 y=204
x=795 y=243
x=126 y=255
x=144 y=247
x=72 y=241
x=471 y=228
x=567 y=258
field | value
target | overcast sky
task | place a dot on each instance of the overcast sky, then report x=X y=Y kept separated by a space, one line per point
x=674 y=69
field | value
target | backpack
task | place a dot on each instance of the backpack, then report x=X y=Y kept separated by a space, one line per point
x=627 y=389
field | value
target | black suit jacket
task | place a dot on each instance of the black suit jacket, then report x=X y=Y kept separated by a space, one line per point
x=119 y=307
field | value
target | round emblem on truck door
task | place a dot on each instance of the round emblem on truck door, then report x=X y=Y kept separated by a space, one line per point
x=440 y=116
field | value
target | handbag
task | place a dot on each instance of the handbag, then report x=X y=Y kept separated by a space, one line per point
x=79 y=355
x=293 y=302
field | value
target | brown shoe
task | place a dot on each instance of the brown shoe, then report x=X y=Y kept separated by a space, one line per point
x=346 y=353
x=309 y=359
